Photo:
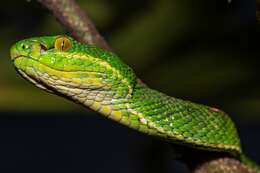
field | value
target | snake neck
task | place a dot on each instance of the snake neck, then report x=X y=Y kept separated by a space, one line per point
x=121 y=109
x=168 y=118
x=129 y=111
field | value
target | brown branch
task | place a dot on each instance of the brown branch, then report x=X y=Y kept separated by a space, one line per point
x=200 y=161
x=222 y=165
x=74 y=19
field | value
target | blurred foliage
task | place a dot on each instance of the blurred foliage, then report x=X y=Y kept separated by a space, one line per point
x=204 y=51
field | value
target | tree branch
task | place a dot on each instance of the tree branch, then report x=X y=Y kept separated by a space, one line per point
x=201 y=161
x=75 y=20
x=222 y=165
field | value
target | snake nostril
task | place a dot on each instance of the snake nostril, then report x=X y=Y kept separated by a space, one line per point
x=24 y=46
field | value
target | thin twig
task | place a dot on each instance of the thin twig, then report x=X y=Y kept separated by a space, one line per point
x=223 y=165
x=76 y=21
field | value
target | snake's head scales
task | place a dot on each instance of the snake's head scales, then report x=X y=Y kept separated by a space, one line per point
x=61 y=64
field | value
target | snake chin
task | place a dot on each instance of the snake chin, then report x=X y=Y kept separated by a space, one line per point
x=34 y=81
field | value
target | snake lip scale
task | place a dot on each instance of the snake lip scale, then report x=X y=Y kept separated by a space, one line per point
x=99 y=80
x=19 y=56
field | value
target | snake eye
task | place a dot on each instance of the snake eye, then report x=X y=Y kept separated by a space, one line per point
x=62 y=44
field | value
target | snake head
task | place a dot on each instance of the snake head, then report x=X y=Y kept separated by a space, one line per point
x=61 y=64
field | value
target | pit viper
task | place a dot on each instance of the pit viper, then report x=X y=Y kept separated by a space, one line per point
x=99 y=80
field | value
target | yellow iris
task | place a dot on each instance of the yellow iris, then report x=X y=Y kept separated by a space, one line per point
x=62 y=43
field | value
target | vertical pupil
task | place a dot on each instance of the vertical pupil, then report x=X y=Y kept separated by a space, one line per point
x=62 y=45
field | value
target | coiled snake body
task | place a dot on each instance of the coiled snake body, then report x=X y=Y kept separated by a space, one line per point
x=101 y=81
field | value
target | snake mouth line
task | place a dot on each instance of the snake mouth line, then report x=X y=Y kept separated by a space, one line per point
x=31 y=78
x=58 y=70
x=14 y=57
x=36 y=80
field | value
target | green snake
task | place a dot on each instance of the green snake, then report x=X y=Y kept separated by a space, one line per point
x=98 y=79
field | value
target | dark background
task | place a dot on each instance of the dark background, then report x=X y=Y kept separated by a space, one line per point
x=204 y=51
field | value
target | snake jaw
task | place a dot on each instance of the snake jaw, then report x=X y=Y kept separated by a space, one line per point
x=33 y=80
x=15 y=55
